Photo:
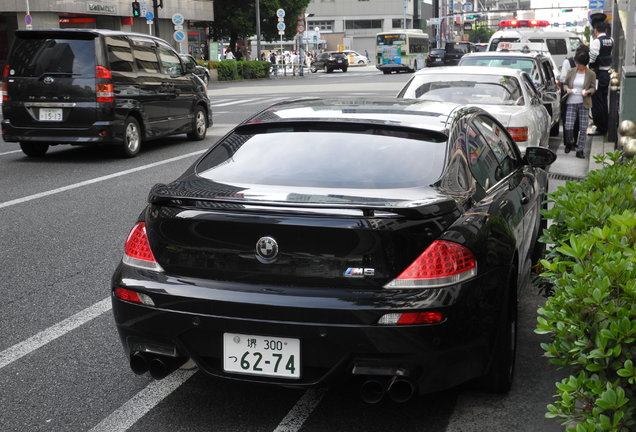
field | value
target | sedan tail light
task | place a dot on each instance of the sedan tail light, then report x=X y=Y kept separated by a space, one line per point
x=442 y=263
x=105 y=92
x=411 y=318
x=137 y=252
x=133 y=296
x=519 y=134
x=5 y=86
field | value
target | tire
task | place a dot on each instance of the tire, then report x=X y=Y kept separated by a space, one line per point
x=500 y=374
x=313 y=69
x=344 y=69
x=199 y=124
x=132 y=138
x=34 y=149
x=554 y=130
x=386 y=72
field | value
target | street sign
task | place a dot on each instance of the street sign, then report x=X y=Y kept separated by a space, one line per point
x=178 y=27
x=300 y=28
x=435 y=21
x=597 y=4
x=177 y=19
x=281 y=19
x=28 y=19
x=280 y=27
x=150 y=16
x=178 y=36
x=29 y=26
x=281 y=32
x=468 y=7
x=280 y=13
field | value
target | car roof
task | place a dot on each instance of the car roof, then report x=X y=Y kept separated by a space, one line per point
x=517 y=54
x=93 y=32
x=471 y=70
x=412 y=113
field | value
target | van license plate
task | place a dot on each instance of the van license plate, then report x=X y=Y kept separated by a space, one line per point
x=261 y=355
x=50 y=114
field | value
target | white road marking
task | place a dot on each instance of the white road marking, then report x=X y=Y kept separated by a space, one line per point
x=139 y=405
x=232 y=103
x=42 y=338
x=10 y=152
x=96 y=180
x=295 y=418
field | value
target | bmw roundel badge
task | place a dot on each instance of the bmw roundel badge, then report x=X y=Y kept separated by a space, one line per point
x=266 y=250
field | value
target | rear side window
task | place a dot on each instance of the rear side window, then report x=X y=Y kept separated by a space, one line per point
x=33 y=57
x=145 y=56
x=557 y=46
x=373 y=158
x=120 y=55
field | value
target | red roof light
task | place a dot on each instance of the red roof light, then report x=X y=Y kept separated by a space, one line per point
x=523 y=23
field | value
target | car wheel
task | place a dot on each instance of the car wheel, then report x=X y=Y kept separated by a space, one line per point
x=554 y=130
x=344 y=69
x=361 y=63
x=199 y=124
x=499 y=377
x=206 y=79
x=386 y=72
x=132 y=138
x=313 y=69
x=32 y=149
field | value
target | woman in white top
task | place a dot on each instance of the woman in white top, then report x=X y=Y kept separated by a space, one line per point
x=580 y=84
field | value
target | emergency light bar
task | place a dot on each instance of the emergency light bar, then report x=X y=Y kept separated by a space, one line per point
x=524 y=23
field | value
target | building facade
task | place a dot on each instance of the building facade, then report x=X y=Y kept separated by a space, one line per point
x=107 y=14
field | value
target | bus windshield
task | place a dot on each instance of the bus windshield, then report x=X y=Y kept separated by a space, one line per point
x=391 y=39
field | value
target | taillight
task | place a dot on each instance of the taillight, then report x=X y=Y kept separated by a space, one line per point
x=105 y=92
x=133 y=296
x=442 y=263
x=519 y=134
x=412 y=318
x=137 y=252
x=5 y=85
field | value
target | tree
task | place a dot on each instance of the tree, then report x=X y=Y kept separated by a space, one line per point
x=236 y=19
x=481 y=33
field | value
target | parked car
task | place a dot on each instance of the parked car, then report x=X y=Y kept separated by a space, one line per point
x=538 y=65
x=329 y=61
x=436 y=57
x=380 y=239
x=200 y=71
x=356 y=59
x=481 y=47
x=90 y=87
x=508 y=94
x=456 y=50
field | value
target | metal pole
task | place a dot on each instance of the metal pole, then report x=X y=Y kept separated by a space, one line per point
x=155 y=7
x=629 y=35
x=405 y=5
x=28 y=11
x=258 y=30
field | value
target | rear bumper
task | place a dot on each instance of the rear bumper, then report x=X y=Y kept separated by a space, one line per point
x=98 y=132
x=337 y=332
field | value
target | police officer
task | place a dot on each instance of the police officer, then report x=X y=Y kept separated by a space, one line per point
x=600 y=62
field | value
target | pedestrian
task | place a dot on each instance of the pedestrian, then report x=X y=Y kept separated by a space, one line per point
x=601 y=61
x=568 y=64
x=229 y=55
x=366 y=54
x=580 y=85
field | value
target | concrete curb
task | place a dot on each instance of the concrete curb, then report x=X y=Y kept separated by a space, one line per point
x=599 y=146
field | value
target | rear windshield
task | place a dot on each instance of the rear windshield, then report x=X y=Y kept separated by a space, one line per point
x=34 y=57
x=525 y=64
x=375 y=159
x=465 y=89
x=457 y=47
x=495 y=42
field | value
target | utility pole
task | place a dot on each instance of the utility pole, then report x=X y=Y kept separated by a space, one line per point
x=258 y=30
x=156 y=4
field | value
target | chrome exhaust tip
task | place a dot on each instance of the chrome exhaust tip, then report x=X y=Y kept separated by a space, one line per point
x=138 y=363
x=401 y=390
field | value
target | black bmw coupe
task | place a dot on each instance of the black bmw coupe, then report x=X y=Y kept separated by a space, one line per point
x=380 y=239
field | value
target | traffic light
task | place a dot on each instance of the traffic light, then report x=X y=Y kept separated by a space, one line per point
x=566 y=10
x=136 y=9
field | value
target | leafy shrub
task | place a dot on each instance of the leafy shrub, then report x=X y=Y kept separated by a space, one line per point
x=591 y=315
x=228 y=70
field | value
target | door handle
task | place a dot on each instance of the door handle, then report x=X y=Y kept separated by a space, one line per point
x=525 y=199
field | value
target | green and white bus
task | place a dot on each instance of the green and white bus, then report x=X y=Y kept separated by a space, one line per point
x=401 y=50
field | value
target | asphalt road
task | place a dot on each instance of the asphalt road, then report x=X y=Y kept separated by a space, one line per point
x=63 y=221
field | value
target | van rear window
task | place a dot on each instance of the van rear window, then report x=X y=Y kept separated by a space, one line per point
x=33 y=57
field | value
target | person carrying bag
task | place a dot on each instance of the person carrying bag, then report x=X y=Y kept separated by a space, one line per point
x=580 y=84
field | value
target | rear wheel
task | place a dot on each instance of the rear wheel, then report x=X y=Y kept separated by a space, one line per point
x=313 y=69
x=344 y=69
x=199 y=124
x=34 y=149
x=132 y=138
x=386 y=72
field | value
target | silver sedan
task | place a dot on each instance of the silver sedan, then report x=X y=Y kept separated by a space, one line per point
x=507 y=94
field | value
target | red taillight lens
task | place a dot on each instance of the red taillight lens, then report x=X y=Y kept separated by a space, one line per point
x=519 y=134
x=442 y=263
x=105 y=92
x=5 y=86
x=137 y=252
x=133 y=296
x=412 y=318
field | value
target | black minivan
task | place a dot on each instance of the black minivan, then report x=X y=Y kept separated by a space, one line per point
x=87 y=86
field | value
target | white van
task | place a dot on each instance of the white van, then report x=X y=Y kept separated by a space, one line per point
x=561 y=44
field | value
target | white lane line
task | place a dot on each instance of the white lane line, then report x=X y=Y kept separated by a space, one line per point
x=10 y=152
x=295 y=418
x=96 y=180
x=139 y=405
x=233 y=102
x=38 y=340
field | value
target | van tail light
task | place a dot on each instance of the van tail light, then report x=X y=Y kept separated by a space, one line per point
x=442 y=263
x=137 y=252
x=105 y=92
x=5 y=85
x=519 y=134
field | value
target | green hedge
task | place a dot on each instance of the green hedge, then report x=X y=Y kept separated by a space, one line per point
x=230 y=70
x=591 y=314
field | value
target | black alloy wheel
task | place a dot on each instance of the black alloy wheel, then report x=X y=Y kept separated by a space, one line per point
x=199 y=124
x=34 y=149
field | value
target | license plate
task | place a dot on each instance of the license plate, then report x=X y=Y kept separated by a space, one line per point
x=339 y=61
x=261 y=355
x=50 y=114
x=438 y=60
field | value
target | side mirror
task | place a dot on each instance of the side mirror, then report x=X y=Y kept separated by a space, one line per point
x=549 y=97
x=190 y=68
x=539 y=156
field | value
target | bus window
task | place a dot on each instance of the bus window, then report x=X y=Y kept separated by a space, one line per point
x=391 y=39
